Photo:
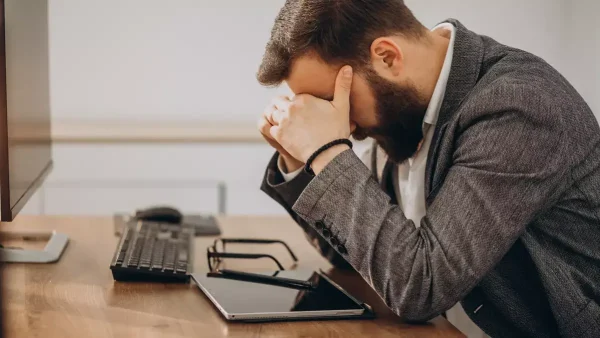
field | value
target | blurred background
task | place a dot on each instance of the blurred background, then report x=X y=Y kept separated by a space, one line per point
x=155 y=102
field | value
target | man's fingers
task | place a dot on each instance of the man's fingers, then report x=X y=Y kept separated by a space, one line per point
x=264 y=126
x=274 y=131
x=281 y=102
x=268 y=114
x=273 y=113
x=277 y=116
x=343 y=85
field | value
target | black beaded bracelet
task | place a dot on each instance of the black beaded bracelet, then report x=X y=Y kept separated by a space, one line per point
x=322 y=149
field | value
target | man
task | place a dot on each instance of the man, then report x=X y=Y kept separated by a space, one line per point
x=483 y=186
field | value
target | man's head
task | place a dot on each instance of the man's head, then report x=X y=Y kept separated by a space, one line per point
x=312 y=39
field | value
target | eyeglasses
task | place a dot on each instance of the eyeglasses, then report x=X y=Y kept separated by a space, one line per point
x=216 y=252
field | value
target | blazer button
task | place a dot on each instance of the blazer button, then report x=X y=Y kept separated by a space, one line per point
x=334 y=241
x=326 y=233
x=342 y=249
x=320 y=225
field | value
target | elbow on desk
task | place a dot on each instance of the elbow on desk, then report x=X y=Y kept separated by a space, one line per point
x=416 y=300
x=416 y=305
x=414 y=310
x=415 y=315
x=419 y=304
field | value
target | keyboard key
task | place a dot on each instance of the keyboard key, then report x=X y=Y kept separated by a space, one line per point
x=137 y=250
x=120 y=258
x=182 y=268
x=158 y=254
x=183 y=255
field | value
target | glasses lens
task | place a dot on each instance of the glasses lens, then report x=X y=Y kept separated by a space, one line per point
x=219 y=246
x=212 y=261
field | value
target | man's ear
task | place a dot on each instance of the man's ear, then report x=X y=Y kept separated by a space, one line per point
x=387 y=57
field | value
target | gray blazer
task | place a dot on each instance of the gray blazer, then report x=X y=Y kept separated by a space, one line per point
x=513 y=204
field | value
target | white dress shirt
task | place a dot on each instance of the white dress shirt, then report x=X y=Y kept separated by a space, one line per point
x=410 y=187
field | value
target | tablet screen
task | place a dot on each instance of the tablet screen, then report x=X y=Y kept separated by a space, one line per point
x=241 y=297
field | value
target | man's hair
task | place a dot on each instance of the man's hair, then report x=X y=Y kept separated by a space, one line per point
x=338 y=31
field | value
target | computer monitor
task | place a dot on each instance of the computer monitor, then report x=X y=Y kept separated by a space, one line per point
x=25 y=134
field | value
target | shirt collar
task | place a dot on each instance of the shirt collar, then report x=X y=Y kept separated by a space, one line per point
x=433 y=110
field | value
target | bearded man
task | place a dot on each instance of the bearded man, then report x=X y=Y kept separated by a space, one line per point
x=483 y=183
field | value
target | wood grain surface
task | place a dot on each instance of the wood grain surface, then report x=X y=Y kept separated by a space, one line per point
x=77 y=296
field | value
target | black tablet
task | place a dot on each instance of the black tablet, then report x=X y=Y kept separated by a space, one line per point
x=239 y=300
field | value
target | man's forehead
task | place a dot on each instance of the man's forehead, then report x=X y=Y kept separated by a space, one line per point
x=309 y=74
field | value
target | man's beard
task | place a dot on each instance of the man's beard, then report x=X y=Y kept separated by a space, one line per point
x=400 y=112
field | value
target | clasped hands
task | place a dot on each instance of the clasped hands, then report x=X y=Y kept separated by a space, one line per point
x=299 y=126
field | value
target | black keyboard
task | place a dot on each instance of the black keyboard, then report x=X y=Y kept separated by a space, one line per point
x=154 y=252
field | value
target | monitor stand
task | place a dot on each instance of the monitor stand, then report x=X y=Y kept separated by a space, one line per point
x=57 y=242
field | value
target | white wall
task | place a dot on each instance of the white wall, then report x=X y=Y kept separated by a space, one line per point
x=581 y=53
x=161 y=60
x=532 y=25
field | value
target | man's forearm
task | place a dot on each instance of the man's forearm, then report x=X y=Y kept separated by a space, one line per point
x=286 y=194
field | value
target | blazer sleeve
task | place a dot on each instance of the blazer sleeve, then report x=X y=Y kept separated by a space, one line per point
x=507 y=166
x=286 y=194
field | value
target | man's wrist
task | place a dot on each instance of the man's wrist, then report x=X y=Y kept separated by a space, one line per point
x=324 y=158
x=291 y=164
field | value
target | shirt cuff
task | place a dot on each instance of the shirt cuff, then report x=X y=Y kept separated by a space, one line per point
x=287 y=176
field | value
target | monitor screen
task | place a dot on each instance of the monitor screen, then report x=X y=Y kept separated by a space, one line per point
x=25 y=139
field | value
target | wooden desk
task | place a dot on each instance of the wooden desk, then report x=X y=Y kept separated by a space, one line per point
x=77 y=296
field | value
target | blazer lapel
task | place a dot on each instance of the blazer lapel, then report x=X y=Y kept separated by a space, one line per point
x=464 y=74
x=388 y=183
x=432 y=176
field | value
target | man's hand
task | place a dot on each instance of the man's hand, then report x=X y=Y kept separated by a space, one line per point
x=264 y=126
x=307 y=123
